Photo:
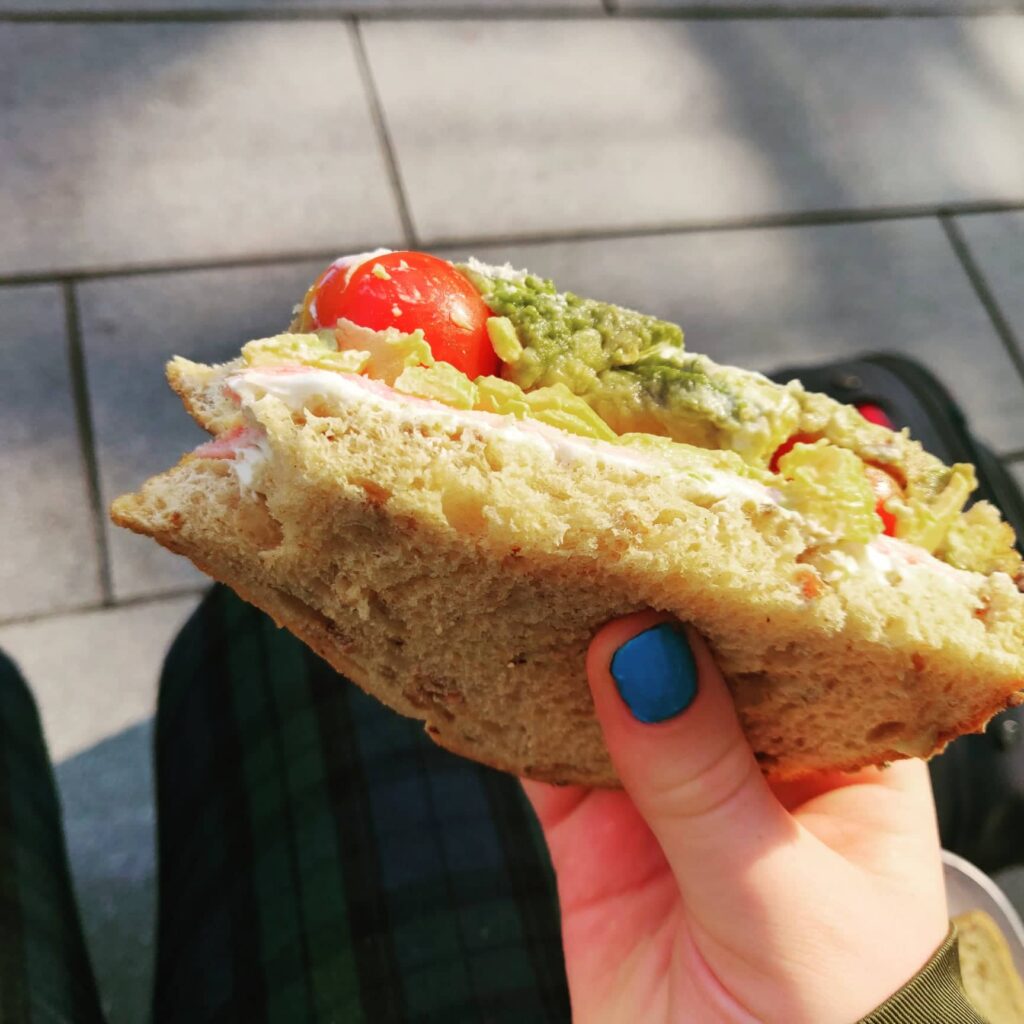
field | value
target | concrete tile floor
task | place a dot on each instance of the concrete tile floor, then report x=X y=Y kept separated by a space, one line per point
x=996 y=243
x=173 y=184
x=173 y=140
x=48 y=554
x=640 y=7
x=686 y=122
x=301 y=7
x=130 y=326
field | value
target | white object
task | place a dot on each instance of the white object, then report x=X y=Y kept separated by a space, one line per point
x=969 y=888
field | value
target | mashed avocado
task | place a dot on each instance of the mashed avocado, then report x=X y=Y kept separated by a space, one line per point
x=632 y=369
x=566 y=339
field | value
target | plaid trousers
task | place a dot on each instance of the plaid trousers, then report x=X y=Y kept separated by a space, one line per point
x=320 y=860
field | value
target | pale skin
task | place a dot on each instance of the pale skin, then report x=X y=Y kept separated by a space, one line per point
x=702 y=893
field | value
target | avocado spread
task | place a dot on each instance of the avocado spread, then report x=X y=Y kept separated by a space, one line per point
x=632 y=369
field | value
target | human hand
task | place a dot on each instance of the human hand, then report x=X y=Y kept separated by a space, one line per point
x=703 y=893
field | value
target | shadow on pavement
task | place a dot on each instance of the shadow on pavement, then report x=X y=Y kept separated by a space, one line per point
x=106 y=794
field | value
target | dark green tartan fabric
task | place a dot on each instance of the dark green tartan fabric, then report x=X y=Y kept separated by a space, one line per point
x=45 y=976
x=322 y=861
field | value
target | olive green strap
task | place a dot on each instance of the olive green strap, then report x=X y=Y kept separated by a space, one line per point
x=935 y=995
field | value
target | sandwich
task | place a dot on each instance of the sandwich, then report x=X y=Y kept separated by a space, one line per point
x=445 y=477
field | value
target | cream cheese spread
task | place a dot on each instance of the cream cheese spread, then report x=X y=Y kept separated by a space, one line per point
x=297 y=387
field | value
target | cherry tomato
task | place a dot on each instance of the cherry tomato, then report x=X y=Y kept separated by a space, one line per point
x=787 y=446
x=884 y=487
x=409 y=290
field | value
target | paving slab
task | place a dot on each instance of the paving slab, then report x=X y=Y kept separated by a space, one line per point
x=284 y=7
x=131 y=326
x=514 y=128
x=773 y=297
x=48 y=553
x=667 y=6
x=94 y=676
x=163 y=142
x=996 y=242
x=109 y=822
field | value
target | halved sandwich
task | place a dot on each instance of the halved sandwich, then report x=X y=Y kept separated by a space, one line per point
x=444 y=478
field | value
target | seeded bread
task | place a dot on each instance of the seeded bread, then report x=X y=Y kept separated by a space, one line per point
x=458 y=576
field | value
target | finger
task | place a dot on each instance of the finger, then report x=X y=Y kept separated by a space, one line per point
x=672 y=731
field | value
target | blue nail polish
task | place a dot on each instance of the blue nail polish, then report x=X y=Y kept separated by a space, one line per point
x=655 y=673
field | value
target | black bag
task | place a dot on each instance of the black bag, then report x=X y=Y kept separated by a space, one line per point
x=979 y=780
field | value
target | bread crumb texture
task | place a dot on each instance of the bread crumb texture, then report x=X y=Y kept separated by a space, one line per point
x=458 y=576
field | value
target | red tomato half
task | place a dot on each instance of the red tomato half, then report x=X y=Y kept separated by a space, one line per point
x=884 y=487
x=787 y=446
x=410 y=290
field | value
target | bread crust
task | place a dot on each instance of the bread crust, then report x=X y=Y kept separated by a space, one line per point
x=459 y=581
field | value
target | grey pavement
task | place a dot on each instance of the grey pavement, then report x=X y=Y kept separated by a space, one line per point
x=788 y=189
x=130 y=327
x=48 y=554
x=696 y=121
x=641 y=7
x=170 y=142
x=278 y=7
x=996 y=243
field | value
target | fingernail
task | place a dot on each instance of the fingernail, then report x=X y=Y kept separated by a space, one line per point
x=655 y=673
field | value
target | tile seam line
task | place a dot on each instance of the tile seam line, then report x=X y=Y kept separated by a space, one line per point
x=89 y=608
x=724 y=12
x=822 y=218
x=383 y=133
x=87 y=438
x=1000 y=323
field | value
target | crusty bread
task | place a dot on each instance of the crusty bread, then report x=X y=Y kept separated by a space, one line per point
x=458 y=576
x=986 y=965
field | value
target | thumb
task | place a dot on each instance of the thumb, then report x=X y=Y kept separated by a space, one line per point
x=672 y=731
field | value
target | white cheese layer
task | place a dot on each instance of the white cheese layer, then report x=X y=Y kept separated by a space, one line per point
x=888 y=561
x=247 y=461
x=297 y=387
